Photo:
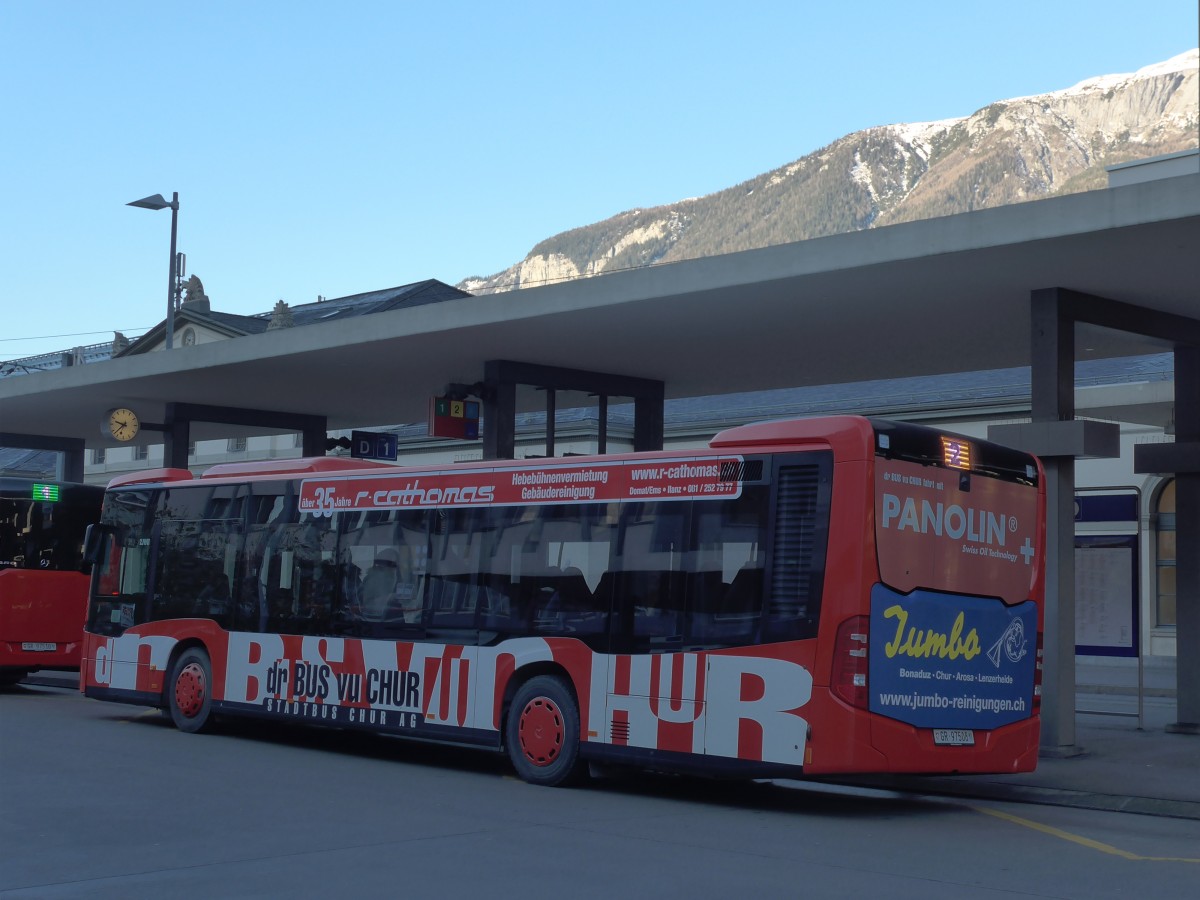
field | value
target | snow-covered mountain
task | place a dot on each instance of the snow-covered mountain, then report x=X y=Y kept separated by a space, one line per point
x=1010 y=151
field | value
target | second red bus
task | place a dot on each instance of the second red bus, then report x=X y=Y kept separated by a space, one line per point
x=43 y=580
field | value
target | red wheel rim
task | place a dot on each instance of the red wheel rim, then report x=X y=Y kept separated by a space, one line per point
x=190 y=690
x=541 y=731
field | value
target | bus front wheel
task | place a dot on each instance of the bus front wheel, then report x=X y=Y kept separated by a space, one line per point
x=189 y=692
x=543 y=732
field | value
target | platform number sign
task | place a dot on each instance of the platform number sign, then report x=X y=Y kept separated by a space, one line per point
x=454 y=418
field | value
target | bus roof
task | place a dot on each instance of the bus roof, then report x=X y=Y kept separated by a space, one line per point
x=853 y=437
x=266 y=467
x=850 y=437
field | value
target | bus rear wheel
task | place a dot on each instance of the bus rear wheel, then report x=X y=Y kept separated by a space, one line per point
x=189 y=692
x=542 y=732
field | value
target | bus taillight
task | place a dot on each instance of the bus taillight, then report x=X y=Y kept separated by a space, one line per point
x=849 y=681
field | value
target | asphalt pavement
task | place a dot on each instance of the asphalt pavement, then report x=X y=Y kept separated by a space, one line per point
x=1124 y=759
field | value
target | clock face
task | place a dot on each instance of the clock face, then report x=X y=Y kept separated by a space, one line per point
x=123 y=424
x=189 y=337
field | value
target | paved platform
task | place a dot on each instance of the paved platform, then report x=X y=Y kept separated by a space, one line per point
x=1117 y=767
x=1123 y=759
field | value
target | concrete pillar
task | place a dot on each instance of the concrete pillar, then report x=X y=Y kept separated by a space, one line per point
x=1052 y=387
x=1058 y=669
x=648 y=407
x=176 y=438
x=499 y=413
x=1187 y=538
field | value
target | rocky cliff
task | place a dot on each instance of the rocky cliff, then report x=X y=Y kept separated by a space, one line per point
x=1008 y=152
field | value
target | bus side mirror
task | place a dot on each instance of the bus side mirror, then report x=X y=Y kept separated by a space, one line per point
x=92 y=539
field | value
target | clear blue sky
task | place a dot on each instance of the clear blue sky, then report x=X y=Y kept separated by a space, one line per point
x=323 y=148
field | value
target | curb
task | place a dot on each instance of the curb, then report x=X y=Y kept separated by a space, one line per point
x=1121 y=690
x=52 y=678
x=1044 y=796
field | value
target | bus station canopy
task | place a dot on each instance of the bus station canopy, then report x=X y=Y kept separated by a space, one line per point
x=930 y=297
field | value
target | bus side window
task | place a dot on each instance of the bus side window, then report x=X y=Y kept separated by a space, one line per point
x=213 y=601
x=315 y=577
x=726 y=578
x=649 y=587
x=269 y=512
x=450 y=608
x=380 y=572
x=379 y=583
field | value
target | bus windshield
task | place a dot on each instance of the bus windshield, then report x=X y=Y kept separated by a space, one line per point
x=42 y=524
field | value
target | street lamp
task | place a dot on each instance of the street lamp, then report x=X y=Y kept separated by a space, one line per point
x=157 y=202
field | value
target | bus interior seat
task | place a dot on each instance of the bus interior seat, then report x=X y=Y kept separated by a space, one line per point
x=378 y=584
x=741 y=605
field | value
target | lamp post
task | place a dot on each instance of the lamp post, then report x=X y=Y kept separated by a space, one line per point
x=157 y=202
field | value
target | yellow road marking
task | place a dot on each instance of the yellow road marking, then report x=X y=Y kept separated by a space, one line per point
x=1079 y=839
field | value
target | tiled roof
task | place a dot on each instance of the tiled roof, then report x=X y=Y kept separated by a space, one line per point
x=407 y=295
x=43 y=362
x=28 y=463
x=231 y=325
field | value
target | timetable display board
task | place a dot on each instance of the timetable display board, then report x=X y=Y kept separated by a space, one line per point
x=1106 y=574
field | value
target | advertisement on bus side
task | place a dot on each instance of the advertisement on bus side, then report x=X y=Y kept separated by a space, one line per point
x=694 y=478
x=724 y=703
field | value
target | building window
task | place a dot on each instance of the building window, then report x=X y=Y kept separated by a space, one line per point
x=98 y=456
x=236 y=445
x=1164 y=556
x=191 y=448
x=141 y=452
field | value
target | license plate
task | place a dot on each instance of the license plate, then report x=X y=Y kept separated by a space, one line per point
x=38 y=646
x=953 y=737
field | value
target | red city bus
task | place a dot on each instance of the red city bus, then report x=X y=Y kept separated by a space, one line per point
x=43 y=582
x=821 y=596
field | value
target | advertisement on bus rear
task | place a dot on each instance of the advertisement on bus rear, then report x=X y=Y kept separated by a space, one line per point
x=953 y=625
x=943 y=661
x=955 y=531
